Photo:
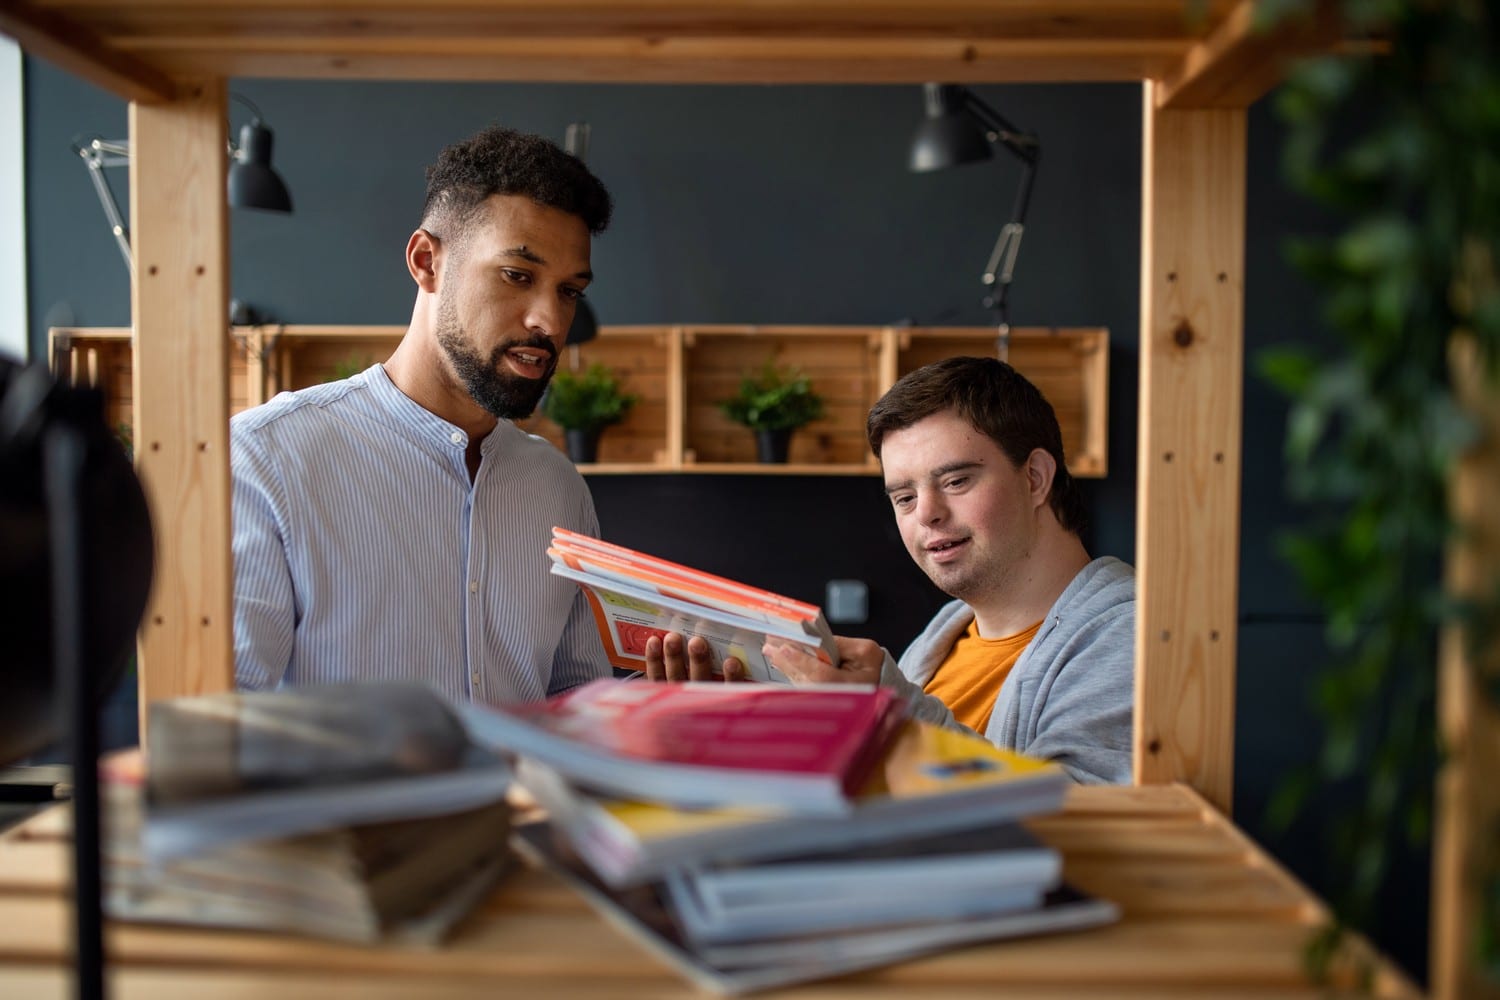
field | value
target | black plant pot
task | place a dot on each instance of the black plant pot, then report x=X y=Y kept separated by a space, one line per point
x=772 y=446
x=583 y=445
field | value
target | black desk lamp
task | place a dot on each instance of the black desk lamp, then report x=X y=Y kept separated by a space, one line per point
x=585 y=326
x=252 y=183
x=961 y=128
x=75 y=569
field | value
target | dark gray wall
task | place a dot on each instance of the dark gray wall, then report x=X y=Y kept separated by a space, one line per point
x=769 y=205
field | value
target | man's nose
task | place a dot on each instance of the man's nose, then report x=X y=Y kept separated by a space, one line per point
x=930 y=507
x=550 y=316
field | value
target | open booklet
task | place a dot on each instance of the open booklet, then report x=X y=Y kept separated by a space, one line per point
x=635 y=597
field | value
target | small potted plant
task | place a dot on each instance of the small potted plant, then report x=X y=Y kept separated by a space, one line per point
x=583 y=405
x=773 y=403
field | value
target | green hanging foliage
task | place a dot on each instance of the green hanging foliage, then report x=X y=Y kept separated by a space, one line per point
x=1404 y=148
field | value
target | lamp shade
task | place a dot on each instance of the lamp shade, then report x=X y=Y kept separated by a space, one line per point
x=585 y=324
x=948 y=135
x=252 y=182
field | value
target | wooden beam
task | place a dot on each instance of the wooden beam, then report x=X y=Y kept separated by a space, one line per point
x=180 y=304
x=1241 y=60
x=1187 y=517
x=680 y=58
x=75 y=49
x=1468 y=800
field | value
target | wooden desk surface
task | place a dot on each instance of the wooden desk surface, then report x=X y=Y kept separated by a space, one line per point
x=1206 y=913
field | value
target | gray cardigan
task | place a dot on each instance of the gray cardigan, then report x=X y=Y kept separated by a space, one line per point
x=1069 y=696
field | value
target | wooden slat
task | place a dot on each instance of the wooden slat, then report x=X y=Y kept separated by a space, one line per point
x=1242 y=60
x=1465 y=850
x=784 y=60
x=78 y=50
x=179 y=297
x=1187 y=508
x=323 y=19
x=661 y=40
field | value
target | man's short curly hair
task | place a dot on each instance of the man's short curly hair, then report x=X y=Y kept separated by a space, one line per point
x=504 y=161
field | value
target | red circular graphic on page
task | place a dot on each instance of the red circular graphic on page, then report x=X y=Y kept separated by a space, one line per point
x=633 y=637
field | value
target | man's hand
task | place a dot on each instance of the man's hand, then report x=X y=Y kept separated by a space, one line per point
x=860 y=661
x=668 y=660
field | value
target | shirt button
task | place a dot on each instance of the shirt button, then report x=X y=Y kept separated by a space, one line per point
x=476 y=677
x=457 y=437
x=473 y=586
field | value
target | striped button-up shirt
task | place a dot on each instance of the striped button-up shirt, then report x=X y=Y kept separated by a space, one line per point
x=362 y=551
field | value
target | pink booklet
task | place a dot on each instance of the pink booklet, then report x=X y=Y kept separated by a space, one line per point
x=804 y=749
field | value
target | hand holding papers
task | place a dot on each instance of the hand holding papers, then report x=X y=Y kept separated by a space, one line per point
x=636 y=597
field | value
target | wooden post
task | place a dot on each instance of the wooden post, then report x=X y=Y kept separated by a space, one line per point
x=1187 y=518
x=181 y=387
x=1467 y=814
x=676 y=456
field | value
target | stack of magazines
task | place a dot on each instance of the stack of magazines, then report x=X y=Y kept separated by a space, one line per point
x=353 y=812
x=687 y=815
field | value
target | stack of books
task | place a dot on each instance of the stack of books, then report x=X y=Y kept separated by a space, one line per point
x=353 y=812
x=683 y=813
x=635 y=597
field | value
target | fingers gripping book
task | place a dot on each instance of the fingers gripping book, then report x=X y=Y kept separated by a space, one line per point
x=635 y=597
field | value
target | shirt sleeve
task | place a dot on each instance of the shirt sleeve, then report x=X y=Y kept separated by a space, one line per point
x=264 y=601
x=1086 y=721
x=580 y=652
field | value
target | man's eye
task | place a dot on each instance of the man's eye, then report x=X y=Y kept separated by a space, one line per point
x=903 y=500
x=956 y=482
x=572 y=293
x=519 y=277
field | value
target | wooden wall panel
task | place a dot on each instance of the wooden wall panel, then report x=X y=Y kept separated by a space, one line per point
x=1069 y=366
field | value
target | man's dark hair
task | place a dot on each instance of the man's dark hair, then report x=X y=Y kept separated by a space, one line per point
x=999 y=402
x=504 y=161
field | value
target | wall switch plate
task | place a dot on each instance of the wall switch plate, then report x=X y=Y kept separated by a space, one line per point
x=848 y=602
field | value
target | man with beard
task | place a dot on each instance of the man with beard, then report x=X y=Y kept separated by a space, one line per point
x=1036 y=652
x=394 y=524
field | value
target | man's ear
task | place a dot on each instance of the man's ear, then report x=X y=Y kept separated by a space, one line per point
x=422 y=260
x=1041 y=469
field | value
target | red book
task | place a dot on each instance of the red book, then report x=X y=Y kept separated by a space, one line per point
x=802 y=749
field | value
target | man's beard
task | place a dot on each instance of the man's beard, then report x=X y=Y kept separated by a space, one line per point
x=495 y=390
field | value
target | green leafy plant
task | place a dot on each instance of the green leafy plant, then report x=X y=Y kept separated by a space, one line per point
x=348 y=368
x=775 y=399
x=125 y=434
x=587 y=402
x=1375 y=430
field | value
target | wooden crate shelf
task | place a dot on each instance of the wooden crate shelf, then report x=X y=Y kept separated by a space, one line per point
x=841 y=363
x=679 y=373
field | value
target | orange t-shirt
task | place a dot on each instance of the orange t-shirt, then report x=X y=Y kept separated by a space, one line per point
x=969 y=680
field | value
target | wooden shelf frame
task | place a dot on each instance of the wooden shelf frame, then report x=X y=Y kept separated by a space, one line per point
x=1199 y=74
x=679 y=372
